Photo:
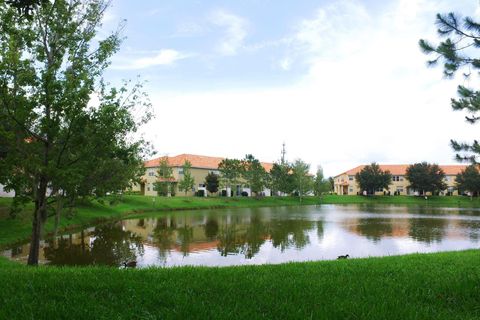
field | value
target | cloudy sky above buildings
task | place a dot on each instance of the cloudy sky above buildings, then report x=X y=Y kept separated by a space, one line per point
x=342 y=83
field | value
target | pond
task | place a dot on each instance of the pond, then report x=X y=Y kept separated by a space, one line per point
x=263 y=236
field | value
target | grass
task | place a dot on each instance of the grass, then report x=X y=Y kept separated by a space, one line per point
x=428 y=286
x=18 y=230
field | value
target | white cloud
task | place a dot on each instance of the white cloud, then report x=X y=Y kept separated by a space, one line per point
x=235 y=31
x=367 y=96
x=163 y=58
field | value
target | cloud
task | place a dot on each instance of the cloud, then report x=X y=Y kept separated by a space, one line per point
x=163 y=58
x=235 y=31
x=366 y=95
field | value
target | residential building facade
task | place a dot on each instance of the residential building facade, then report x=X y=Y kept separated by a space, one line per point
x=201 y=167
x=346 y=184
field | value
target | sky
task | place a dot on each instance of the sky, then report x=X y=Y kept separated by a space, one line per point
x=341 y=83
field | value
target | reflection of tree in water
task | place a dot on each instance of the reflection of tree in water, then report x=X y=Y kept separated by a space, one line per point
x=427 y=230
x=164 y=236
x=291 y=233
x=211 y=228
x=254 y=236
x=374 y=229
x=247 y=238
x=320 y=229
x=111 y=246
x=185 y=236
x=229 y=240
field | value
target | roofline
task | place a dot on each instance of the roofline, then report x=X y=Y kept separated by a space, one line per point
x=405 y=164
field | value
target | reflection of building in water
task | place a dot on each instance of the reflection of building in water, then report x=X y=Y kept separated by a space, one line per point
x=420 y=229
x=229 y=234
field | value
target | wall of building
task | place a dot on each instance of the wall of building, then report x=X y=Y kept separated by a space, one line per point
x=198 y=174
x=399 y=184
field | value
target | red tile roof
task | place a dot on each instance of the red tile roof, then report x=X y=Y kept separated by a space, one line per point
x=197 y=161
x=401 y=169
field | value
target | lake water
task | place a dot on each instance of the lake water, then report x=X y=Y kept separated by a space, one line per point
x=263 y=235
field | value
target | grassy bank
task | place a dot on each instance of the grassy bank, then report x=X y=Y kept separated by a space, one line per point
x=16 y=230
x=429 y=286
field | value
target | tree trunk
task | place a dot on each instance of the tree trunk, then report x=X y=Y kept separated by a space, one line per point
x=39 y=218
x=58 y=214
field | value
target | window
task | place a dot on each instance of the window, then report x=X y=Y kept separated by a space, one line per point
x=148 y=188
x=379 y=190
x=397 y=178
x=350 y=190
x=151 y=173
x=350 y=178
x=180 y=171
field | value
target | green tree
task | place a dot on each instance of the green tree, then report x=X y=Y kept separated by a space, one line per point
x=426 y=177
x=281 y=178
x=188 y=182
x=53 y=135
x=302 y=181
x=212 y=182
x=165 y=181
x=457 y=51
x=372 y=178
x=469 y=180
x=320 y=185
x=254 y=174
x=230 y=170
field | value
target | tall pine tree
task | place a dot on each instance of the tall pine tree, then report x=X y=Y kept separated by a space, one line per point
x=457 y=51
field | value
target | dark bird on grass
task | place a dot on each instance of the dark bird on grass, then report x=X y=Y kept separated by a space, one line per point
x=130 y=264
x=343 y=257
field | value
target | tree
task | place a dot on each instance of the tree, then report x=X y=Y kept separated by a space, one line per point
x=25 y=7
x=281 y=174
x=254 y=174
x=188 y=182
x=320 y=185
x=469 y=180
x=165 y=181
x=54 y=134
x=426 y=177
x=211 y=182
x=230 y=170
x=302 y=181
x=281 y=178
x=372 y=178
x=457 y=52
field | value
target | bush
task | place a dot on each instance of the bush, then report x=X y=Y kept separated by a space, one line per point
x=244 y=194
x=200 y=193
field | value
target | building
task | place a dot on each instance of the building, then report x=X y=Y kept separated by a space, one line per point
x=201 y=167
x=345 y=183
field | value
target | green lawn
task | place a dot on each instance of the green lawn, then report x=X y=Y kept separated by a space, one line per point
x=428 y=286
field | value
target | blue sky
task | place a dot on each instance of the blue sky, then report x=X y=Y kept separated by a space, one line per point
x=341 y=82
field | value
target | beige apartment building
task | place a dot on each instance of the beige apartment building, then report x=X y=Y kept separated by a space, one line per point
x=201 y=167
x=345 y=183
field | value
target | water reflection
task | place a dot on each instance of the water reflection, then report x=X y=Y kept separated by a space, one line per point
x=108 y=245
x=268 y=235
